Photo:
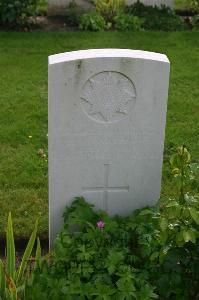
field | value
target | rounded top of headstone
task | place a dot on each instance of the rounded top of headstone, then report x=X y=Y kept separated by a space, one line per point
x=97 y=53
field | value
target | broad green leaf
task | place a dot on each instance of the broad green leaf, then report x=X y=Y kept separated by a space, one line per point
x=154 y=256
x=185 y=213
x=174 y=212
x=145 y=212
x=172 y=204
x=27 y=254
x=2 y=279
x=189 y=235
x=194 y=214
x=163 y=237
x=179 y=238
x=163 y=224
x=183 y=153
x=176 y=171
x=186 y=156
x=175 y=161
x=10 y=248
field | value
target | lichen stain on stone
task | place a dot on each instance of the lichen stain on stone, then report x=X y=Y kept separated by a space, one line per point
x=79 y=64
x=78 y=71
x=125 y=64
x=127 y=67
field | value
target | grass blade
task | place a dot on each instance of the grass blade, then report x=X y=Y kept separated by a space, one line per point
x=38 y=255
x=10 y=248
x=27 y=254
x=2 y=280
x=12 y=290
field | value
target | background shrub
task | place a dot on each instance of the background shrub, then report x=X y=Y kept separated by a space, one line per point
x=157 y=18
x=73 y=14
x=92 y=21
x=195 y=5
x=195 y=22
x=109 y=9
x=16 y=12
x=137 y=16
x=109 y=14
x=127 y=22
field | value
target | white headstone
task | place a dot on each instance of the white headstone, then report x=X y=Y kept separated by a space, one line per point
x=107 y=112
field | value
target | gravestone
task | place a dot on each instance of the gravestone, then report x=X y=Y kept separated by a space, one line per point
x=59 y=7
x=107 y=113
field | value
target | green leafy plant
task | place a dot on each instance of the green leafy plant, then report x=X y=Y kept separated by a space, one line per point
x=127 y=22
x=171 y=238
x=109 y=14
x=194 y=5
x=98 y=257
x=93 y=259
x=41 y=6
x=157 y=18
x=73 y=14
x=195 y=22
x=12 y=279
x=92 y=21
x=109 y=9
x=16 y=12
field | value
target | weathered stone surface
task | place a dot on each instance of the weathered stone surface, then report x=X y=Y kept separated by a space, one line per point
x=60 y=7
x=107 y=112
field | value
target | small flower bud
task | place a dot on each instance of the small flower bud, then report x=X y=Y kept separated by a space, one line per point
x=100 y=224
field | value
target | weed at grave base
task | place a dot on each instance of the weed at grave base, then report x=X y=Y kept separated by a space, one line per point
x=12 y=279
x=98 y=257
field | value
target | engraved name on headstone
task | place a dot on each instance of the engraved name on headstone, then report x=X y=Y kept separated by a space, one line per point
x=107 y=114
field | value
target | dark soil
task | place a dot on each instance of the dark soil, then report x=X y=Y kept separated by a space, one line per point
x=43 y=23
x=20 y=246
x=185 y=13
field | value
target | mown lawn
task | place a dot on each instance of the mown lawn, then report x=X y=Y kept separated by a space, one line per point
x=23 y=113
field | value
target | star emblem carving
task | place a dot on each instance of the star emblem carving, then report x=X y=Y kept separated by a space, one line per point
x=108 y=95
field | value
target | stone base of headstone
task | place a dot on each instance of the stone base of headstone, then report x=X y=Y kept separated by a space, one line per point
x=60 y=7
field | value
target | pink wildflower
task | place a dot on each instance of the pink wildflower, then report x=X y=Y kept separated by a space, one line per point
x=100 y=224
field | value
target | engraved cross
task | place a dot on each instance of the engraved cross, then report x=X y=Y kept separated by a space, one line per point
x=106 y=188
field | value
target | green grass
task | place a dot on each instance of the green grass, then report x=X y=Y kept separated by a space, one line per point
x=182 y=4
x=23 y=100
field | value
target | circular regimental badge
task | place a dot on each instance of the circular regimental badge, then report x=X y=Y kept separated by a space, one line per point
x=108 y=96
